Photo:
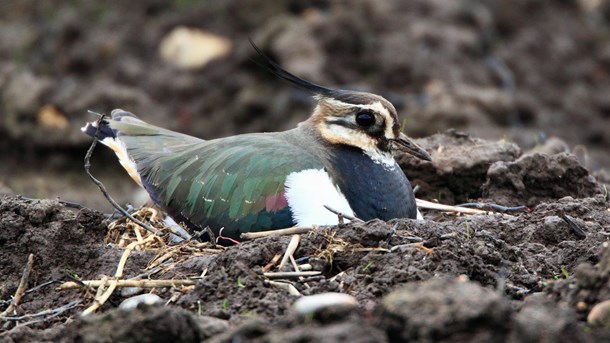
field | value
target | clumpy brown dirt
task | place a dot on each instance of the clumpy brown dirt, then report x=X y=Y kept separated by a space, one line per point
x=522 y=86
x=524 y=276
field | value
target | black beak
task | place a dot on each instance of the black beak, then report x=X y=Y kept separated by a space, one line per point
x=405 y=144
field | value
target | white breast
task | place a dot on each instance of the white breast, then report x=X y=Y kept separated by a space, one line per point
x=307 y=191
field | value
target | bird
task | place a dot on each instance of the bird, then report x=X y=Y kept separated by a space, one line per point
x=341 y=157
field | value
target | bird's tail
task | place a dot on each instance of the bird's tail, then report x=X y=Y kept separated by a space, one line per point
x=133 y=139
x=104 y=132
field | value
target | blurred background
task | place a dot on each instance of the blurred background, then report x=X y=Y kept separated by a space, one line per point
x=527 y=71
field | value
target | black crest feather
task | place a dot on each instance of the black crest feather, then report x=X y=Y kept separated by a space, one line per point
x=267 y=63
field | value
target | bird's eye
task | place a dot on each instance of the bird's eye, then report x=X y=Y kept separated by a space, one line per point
x=365 y=118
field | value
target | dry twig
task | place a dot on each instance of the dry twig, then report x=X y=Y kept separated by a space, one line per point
x=434 y=206
x=334 y=245
x=343 y=215
x=51 y=313
x=490 y=207
x=292 y=247
x=101 y=186
x=42 y=285
x=294 y=264
x=277 y=275
x=287 y=231
x=101 y=299
x=272 y=263
x=422 y=247
x=287 y=286
x=22 y=286
x=130 y=283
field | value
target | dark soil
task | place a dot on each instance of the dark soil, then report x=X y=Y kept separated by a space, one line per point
x=531 y=76
x=524 y=277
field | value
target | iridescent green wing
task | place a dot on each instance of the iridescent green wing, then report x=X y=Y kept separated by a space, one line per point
x=235 y=182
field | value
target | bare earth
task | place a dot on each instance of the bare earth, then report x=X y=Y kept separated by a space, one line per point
x=531 y=78
x=524 y=277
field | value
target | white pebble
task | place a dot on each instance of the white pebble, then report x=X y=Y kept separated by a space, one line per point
x=314 y=303
x=133 y=302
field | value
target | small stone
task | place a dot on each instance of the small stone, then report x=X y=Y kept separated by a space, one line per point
x=133 y=302
x=554 y=229
x=190 y=48
x=600 y=314
x=581 y=306
x=552 y=222
x=313 y=304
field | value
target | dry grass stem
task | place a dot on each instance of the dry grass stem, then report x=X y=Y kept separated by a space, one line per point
x=50 y=313
x=292 y=247
x=277 y=275
x=101 y=186
x=457 y=209
x=130 y=283
x=272 y=263
x=286 y=286
x=101 y=299
x=23 y=283
x=294 y=264
x=334 y=245
x=422 y=247
x=343 y=215
x=287 y=231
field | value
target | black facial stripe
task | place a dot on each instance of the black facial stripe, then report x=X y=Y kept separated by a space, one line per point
x=340 y=121
x=376 y=131
x=347 y=124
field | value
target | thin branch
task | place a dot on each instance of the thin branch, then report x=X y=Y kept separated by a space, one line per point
x=131 y=283
x=22 y=286
x=272 y=263
x=277 y=275
x=434 y=206
x=52 y=313
x=101 y=299
x=295 y=266
x=42 y=285
x=341 y=214
x=494 y=207
x=292 y=247
x=286 y=286
x=101 y=186
x=279 y=232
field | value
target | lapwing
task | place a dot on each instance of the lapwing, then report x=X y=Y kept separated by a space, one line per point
x=342 y=156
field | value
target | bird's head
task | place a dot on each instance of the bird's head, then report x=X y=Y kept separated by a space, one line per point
x=356 y=119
